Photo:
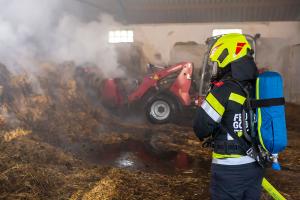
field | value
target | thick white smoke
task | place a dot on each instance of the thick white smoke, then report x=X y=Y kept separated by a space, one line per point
x=35 y=31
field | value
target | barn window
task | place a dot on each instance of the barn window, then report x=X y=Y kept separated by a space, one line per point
x=225 y=31
x=119 y=36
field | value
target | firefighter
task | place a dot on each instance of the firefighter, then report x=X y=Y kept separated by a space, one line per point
x=234 y=175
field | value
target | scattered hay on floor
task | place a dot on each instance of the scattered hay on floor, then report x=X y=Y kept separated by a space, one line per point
x=13 y=134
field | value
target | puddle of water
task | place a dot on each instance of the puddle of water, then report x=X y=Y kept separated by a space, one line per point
x=137 y=155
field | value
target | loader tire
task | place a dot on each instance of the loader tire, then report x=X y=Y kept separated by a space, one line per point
x=161 y=110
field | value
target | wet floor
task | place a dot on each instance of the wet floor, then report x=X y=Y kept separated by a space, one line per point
x=138 y=155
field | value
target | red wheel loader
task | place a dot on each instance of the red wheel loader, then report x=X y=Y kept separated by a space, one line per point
x=164 y=93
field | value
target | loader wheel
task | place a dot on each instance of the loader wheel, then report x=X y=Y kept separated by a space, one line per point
x=161 y=110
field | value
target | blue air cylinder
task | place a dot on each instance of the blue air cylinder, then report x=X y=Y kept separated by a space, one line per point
x=271 y=123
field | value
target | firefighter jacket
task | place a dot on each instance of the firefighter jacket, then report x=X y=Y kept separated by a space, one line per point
x=223 y=107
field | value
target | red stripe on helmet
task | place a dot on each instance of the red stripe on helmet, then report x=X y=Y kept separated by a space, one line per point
x=239 y=47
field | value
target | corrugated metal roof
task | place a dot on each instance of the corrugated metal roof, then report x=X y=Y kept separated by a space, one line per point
x=187 y=11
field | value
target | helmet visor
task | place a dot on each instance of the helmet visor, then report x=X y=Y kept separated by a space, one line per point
x=214 y=68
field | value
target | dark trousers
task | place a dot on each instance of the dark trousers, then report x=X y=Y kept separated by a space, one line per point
x=236 y=182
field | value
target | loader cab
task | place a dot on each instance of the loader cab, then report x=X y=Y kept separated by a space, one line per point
x=207 y=66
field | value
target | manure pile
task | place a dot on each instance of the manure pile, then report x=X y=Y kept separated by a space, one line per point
x=58 y=142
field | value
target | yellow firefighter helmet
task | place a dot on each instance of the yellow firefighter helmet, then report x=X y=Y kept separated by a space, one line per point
x=229 y=48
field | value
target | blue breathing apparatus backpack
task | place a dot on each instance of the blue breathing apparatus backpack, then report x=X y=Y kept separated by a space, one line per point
x=270 y=113
x=268 y=136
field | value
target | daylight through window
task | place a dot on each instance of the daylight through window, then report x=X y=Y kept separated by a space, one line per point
x=225 y=31
x=119 y=36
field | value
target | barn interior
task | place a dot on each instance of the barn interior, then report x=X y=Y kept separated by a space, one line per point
x=58 y=140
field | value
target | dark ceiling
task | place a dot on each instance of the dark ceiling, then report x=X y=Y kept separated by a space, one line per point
x=189 y=11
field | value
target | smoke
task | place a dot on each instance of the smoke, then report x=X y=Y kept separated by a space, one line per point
x=38 y=31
